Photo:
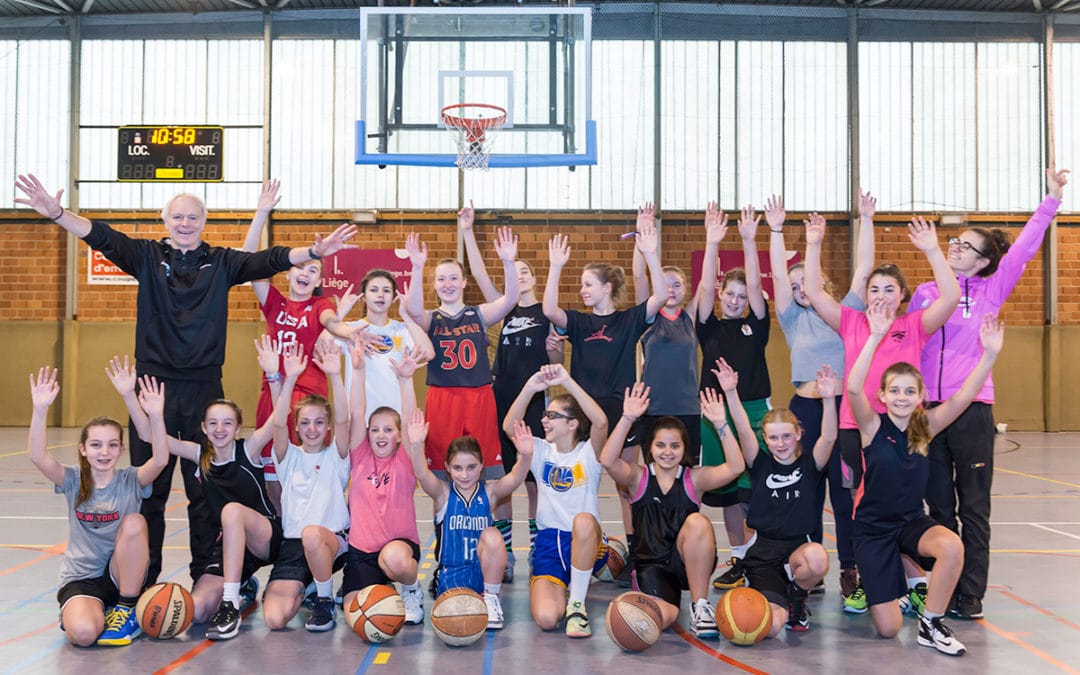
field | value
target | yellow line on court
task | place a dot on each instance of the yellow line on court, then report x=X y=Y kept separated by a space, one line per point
x=50 y=447
x=1028 y=475
x=382 y=658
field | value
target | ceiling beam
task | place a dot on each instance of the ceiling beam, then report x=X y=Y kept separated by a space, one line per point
x=1037 y=4
x=63 y=5
x=245 y=4
x=51 y=9
x=1059 y=4
x=87 y=5
x=281 y=3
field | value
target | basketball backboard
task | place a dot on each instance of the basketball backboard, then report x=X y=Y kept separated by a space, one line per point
x=532 y=62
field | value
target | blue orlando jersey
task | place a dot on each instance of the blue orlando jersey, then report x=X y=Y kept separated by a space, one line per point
x=460 y=522
x=460 y=341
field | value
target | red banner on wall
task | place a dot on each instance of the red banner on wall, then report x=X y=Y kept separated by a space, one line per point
x=348 y=267
x=729 y=260
x=101 y=270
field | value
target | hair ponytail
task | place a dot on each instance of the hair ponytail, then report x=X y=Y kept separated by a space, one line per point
x=918 y=432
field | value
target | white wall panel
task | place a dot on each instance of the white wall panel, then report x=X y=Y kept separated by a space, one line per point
x=1066 y=113
x=759 y=102
x=816 y=172
x=885 y=123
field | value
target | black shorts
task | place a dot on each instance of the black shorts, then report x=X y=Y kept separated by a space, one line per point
x=765 y=565
x=877 y=553
x=851 y=467
x=362 y=568
x=504 y=398
x=102 y=588
x=716 y=498
x=612 y=408
x=292 y=565
x=665 y=581
x=252 y=563
x=693 y=430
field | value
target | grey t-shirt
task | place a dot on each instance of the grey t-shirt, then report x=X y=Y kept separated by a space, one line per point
x=812 y=341
x=671 y=365
x=92 y=525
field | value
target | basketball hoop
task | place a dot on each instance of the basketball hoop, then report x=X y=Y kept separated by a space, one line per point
x=472 y=125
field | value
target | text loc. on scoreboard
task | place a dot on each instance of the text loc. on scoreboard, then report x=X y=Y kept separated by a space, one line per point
x=190 y=154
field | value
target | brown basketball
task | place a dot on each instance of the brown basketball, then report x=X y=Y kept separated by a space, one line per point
x=634 y=621
x=617 y=555
x=743 y=616
x=459 y=617
x=376 y=613
x=164 y=610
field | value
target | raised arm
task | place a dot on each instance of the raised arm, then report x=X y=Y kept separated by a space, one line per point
x=774 y=218
x=716 y=222
x=729 y=384
x=864 y=245
x=357 y=398
x=421 y=340
x=558 y=255
x=624 y=473
x=404 y=370
x=879 y=318
x=707 y=478
x=414 y=294
x=416 y=432
x=466 y=218
x=268 y=199
x=277 y=427
x=535 y=384
x=924 y=236
x=828 y=387
x=324 y=246
x=755 y=293
x=43 y=391
x=641 y=277
x=38 y=198
x=824 y=304
x=556 y=374
x=506 y=245
x=648 y=243
x=123 y=378
x=152 y=400
x=505 y=486
x=992 y=337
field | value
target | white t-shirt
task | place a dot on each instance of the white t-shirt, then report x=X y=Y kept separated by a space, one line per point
x=380 y=381
x=313 y=490
x=567 y=484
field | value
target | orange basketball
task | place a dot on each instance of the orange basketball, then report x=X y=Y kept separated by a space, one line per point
x=617 y=555
x=743 y=616
x=459 y=617
x=164 y=610
x=376 y=613
x=634 y=621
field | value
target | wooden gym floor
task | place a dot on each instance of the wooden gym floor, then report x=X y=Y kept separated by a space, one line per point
x=1032 y=608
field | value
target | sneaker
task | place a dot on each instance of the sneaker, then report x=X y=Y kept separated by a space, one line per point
x=732 y=578
x=495 y=611
x=433 y=585
x=322 y=616
x=934 y=633
x=339 y=597
x=508 y=575
x=414 y=604
x=703 y=620
x=915 y=601
x=819 y=589
x=856 y=602
x=249 y=591
x=849 y=579
x=577 y=620
x=121 y=627
x=225 y=623
x=309 y=596
x=798 y=617
x=967 y=608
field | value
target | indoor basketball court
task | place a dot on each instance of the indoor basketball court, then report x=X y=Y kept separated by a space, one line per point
x=550 y=118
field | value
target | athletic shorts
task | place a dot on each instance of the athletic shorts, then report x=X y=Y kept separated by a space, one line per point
x=463 y=411
x=102 y=588
x=362 y=568
x=666 y=581
x=712 y=454
x=533 y=413
x=766 y=565
x=292 y=562
x=877 y=553
x=252 y=563
x=468 y=575
x=849 y=441
x=262 y=413
x=613 y=408
x=693 y=430
x=551 y=556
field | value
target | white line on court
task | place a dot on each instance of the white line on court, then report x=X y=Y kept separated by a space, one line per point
x=1050 y=529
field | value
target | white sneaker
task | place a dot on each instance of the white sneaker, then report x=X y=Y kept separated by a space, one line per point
x=495 y=611
x=414 y=604
x=934 y=633
x=703 y=619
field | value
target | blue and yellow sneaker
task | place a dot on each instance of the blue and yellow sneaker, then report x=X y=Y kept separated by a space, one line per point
x=121 y=627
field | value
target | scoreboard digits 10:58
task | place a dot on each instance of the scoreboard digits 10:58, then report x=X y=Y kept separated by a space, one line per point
x=170 y=154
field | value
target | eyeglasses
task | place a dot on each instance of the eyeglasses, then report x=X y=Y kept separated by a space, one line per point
x=964 y=245
x=552 y=415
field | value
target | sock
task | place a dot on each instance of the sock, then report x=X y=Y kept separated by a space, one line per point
x=231 y=593
x=912 y=582
x=506 y=529
x=579 y=584
x=739 y=551
x=127 y=600
x=532 y=533
x=324 y=589
x=492 y=588
x=930 y=616
x=414 y=587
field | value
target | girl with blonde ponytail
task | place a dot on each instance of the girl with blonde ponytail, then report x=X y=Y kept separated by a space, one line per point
x=889 y=515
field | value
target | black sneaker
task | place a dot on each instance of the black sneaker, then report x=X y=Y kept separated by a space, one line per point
x=225 y=623
x=433 y=585
x=249 y=591
x=934 y=633
x=967 y=608
x=818 y=589
x=798 y=617
x=732 y=578
x=322 y=615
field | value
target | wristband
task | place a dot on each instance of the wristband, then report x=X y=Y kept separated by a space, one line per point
x=720 y=431
x=312 y=253
x=59 y=216
x=781 y=231
x=273 y=377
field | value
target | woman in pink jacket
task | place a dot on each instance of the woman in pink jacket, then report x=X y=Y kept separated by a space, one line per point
x=962 y=455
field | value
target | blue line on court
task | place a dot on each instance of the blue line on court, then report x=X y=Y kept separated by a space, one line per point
x=20 y=666
x=369 y=658
x=30 y=601
x=489 y=650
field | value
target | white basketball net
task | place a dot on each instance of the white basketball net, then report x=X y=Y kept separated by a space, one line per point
x=474 y=128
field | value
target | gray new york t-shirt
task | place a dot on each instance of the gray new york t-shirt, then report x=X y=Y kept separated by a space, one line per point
x=92 y=525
